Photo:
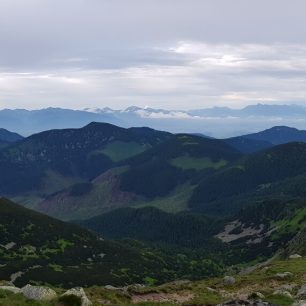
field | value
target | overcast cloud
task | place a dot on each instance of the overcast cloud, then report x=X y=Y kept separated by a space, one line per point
x=177 y=54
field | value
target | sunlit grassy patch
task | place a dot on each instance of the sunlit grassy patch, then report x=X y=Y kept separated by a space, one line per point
x=120 y=150
x=187 y=162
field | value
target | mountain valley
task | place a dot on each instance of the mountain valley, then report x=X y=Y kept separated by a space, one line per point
x=150 y=207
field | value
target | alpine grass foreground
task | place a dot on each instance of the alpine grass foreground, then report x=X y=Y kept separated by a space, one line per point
x=278 y=282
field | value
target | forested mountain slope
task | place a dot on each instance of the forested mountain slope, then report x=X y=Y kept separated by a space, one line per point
x=253 y=173
x=166 y=173
x=276 y=135
x=75 y=154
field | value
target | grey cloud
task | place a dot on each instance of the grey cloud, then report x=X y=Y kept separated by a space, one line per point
x=35 y=30
x=178 y=53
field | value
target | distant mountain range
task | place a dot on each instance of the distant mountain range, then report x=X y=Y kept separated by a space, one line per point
x=261 y=110
x=207 y=121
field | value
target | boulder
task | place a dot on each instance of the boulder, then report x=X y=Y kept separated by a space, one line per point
x=265 y=269
x=282 y=293
x=295 y=256
x=11 y=289
x=79 y=292
x=246 y=303
x=229 y=280
x=38 y=293
x=302 y=292
x=9 y=245
x=288 y=287
x=282 y=276
x=299 y=303
x=110 y=287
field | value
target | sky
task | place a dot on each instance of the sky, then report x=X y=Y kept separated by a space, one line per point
x=174 y=54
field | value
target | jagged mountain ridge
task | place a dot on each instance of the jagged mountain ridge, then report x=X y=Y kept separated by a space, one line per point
x=206 y=121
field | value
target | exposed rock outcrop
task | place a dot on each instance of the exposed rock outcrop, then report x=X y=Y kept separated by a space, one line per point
x=299 y=303
x=246 y=303
x=79 y=292
x=283 y=293
x=295 y=256
x=301 y=294
x=284 y=275
x=229 y=280
x=38 y=293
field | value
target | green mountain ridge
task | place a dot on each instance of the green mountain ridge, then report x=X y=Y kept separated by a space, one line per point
x=35 y=248
x=68 y=153
x=266 y=139
x=184 y=157
x=252 y=172
x=279 y=274
x=9 y=137
x=255 y=233
x=184 y=229
x=152 y=207
x=177 y=163
x=79 y=173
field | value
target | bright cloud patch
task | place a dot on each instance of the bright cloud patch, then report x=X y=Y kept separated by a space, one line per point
x=182 y=76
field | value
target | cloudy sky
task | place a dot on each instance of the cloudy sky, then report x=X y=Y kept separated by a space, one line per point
x=177 y=54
